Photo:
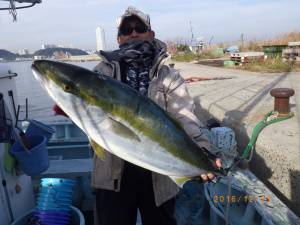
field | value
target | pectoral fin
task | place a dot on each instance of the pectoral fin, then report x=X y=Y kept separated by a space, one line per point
x=122 y=130
x=99 y=151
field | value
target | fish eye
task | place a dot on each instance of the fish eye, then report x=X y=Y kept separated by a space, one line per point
x=67 y=88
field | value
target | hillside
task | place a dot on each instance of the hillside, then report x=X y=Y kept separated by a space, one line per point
x=49 y=52
x=4 y=54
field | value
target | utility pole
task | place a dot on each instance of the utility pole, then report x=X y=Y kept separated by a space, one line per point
x=212 y=37
x=192 y=33
x=242 y=40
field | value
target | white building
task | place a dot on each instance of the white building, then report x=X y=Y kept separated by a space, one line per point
x=100 y=39
x=23 y=52
x=38 y=57
x=45 y=46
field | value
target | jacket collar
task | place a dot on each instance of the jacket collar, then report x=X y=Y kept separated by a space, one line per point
x=112 y=57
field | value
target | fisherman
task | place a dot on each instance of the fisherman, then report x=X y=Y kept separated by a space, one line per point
x=121 y=187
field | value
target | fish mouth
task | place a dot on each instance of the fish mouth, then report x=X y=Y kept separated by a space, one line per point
x=38 y=75
x=34 y=65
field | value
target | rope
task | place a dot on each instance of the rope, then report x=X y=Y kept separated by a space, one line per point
x=22 y=7
x=12 y=9
x=228 y=200
x=195 y=79
x=270 y=118
x=211 y=203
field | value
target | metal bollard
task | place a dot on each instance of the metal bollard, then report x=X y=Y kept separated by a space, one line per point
x=282 y=100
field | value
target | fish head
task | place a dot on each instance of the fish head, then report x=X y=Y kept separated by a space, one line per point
x=68 y=85
x=58 y=75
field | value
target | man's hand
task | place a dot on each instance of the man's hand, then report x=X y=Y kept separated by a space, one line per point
x=211 y=176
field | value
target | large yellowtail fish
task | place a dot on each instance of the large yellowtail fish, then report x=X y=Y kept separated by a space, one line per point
x=122 y=121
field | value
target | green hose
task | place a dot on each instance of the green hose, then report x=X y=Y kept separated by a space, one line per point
x=258 y=128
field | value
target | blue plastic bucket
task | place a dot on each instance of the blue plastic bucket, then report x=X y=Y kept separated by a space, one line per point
x=57 y=181
x=53 y=199
x=50 y=218
x=66 y=220
x=34 y=161
x=55 y=189
x=53 y=213
x=56 y=221
x=38 y=128
x=52 y=204
x=46 y=208
x=56 y=196
x=75 y=215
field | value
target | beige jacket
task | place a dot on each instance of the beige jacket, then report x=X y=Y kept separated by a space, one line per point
x=168 y=89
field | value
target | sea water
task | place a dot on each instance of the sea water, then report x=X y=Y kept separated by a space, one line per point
x=39 y=102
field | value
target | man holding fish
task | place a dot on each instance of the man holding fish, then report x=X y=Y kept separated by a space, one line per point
x=122 y=187
x=139 y=111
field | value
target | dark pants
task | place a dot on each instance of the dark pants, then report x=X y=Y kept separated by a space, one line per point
x=120 y=208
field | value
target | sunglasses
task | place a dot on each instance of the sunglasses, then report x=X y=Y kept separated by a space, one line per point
x=126 y=29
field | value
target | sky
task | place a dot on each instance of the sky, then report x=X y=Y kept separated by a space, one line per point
x=73 y=22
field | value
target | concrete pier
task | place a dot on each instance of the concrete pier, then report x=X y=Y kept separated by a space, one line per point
x=240 y=103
